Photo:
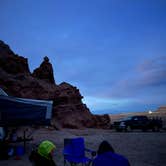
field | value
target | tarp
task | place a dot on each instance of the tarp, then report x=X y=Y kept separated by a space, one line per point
x=20 y=111
x=2 y=92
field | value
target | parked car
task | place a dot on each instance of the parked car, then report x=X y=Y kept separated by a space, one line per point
x=138 y=122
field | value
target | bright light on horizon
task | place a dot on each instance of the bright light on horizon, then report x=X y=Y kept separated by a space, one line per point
x=150 y=112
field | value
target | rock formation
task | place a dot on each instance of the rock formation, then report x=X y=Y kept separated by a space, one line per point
x=45 y=71
x=162 y=109
x=68 y=109
x=12 y=63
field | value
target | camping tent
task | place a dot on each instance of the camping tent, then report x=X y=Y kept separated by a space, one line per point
x=2 y=92
x=20 y=111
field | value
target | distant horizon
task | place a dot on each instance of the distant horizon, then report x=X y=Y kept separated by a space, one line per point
x=100 y=112
x=113 y=51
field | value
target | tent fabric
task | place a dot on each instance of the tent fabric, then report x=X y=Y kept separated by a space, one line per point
x=2 y=92
x=19 y=111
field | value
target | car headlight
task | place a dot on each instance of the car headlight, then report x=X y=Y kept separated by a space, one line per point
x=122 y=124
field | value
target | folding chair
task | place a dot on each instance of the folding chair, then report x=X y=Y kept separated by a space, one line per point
x=74 y=152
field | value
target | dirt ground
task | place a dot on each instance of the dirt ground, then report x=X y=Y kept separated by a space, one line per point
x=141 y=148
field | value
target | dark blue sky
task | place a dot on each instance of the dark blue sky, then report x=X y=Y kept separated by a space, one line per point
x=114 y=51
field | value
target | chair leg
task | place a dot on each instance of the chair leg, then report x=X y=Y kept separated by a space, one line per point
x=89 y=163
x=64 y=162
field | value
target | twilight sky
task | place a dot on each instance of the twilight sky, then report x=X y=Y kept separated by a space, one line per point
x=114 y=51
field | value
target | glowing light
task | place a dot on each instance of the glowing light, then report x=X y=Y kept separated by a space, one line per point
x=150 y=112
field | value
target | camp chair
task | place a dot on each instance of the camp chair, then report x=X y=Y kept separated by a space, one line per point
x=74 y=152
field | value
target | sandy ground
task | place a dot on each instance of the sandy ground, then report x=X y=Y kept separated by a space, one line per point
x=141 y=148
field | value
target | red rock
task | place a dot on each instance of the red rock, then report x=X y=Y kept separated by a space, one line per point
x=12 y=63
x=68 y=109
x=45 y=71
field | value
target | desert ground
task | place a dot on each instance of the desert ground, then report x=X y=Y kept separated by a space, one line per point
x=141 y=148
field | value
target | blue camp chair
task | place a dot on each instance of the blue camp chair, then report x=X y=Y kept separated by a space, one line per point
x=74 y=152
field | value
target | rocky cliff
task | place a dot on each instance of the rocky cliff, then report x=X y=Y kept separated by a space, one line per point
x=68 y=109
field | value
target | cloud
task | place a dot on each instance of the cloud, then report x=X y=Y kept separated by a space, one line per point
x=148 y=78
x=138 y=88
x=153 y=72
x=153 y=64
x=153 y=78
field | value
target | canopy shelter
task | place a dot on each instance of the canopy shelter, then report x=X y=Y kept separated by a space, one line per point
x=20 y=111
x=23 y=112
x=2 y=92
